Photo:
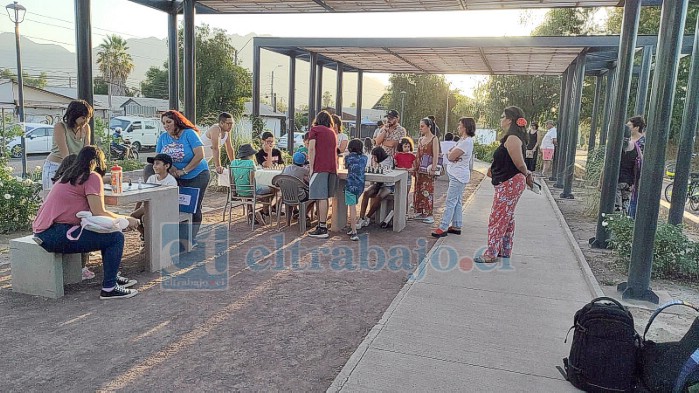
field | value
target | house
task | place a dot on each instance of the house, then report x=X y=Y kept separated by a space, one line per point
x=40 y=105
x=274 y=122
x=122 y=105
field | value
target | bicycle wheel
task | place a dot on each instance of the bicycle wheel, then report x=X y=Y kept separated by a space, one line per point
x=668 y=192
x=694 y=199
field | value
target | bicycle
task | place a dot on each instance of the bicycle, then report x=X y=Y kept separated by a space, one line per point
x=692 y=191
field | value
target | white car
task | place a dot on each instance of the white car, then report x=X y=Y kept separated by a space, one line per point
x=298 y=140
x=142 y=132
x=38 y=139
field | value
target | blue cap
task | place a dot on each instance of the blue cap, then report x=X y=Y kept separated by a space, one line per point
x=299 y=158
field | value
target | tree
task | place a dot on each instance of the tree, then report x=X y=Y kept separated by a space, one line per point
x=114 y=63
x=99 y=86
x=221 y=85
x=328 y=100
x=649 y=24
x=425 y=95
x=539 y=96
x=38 y=82
x=156 y=83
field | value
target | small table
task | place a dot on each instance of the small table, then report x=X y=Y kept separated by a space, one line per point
x=162 y=205
x=400 y=197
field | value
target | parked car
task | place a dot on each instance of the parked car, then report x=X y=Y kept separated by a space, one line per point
x=141 y=131
x=298 y=140
x=38 y=139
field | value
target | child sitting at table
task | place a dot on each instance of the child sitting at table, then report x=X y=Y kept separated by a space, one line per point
x=355 y=162
x=161 y=166
x=300 y=169
x=243 y=171
x=377 y=191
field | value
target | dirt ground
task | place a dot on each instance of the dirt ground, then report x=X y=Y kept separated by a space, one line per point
x=670 y=325
x=292 y=312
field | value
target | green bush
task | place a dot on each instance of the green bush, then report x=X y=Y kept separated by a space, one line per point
x=594 y=166
x=485 y=152
x=674 y=255
x=19 y=200
x=126 y=165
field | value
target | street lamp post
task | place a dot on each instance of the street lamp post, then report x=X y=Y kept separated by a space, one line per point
x=16 y=13
x=402 y=103
x=273 y=98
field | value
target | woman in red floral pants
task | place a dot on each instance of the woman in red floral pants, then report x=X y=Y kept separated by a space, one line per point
x=510 y=176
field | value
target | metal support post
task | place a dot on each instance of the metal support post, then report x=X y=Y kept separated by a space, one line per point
x=319 y=87
x=595 y=116
x=564 y=130
x=291 y=111
x=643 y=78
x=690 y=120
x=360 y=87
x=561 y=114
x=83 y=46
x=573 y=126
x=173 y=66
x=312 y=109
x=189 y=62
x=338 y=90
x=620 y=102
x=611 y=83
x=672 y=20
x=255 y=79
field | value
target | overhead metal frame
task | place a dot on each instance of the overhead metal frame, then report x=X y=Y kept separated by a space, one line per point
x=342 y=6
x=467 y=55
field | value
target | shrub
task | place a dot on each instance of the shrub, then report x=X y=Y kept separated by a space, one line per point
x=19 y=200
x=674 y=255
x=484 y=152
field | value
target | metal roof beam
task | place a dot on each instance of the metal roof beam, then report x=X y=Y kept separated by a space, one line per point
x=485 y=61
x=324 y=5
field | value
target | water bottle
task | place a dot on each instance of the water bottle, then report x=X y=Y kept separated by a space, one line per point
x=140 y=183
x=116 y=179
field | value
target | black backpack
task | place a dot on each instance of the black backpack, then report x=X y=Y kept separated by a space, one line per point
x=662 y=362
x=603 y=355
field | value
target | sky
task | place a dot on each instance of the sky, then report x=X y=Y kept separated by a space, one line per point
x=52 y=21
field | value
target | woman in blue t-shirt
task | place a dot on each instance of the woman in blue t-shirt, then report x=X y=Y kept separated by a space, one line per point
x=182 y=143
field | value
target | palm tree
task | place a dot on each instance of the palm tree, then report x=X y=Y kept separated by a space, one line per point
x=115 y=64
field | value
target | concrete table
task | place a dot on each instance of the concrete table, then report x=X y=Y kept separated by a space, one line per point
x=162 y=206
x=400 y=197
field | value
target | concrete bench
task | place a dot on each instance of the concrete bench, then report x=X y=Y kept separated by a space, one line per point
x=385 y=208
x=36 y=271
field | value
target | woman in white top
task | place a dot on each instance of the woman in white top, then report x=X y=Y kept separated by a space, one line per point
x=459 y=171
x=217 y=135
x=69 y=136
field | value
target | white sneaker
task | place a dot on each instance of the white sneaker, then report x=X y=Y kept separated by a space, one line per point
x=362 y=222
x=428 y=220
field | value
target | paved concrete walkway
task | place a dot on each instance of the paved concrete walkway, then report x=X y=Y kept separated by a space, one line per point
x=474 y=330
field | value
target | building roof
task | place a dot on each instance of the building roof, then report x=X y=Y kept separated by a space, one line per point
x=459 y=55
x=265 y=111
x=343 y=6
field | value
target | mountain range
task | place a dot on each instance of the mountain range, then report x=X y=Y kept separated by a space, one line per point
x=59 y=64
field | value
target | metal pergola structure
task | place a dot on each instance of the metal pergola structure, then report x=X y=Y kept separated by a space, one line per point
x=619 y=73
